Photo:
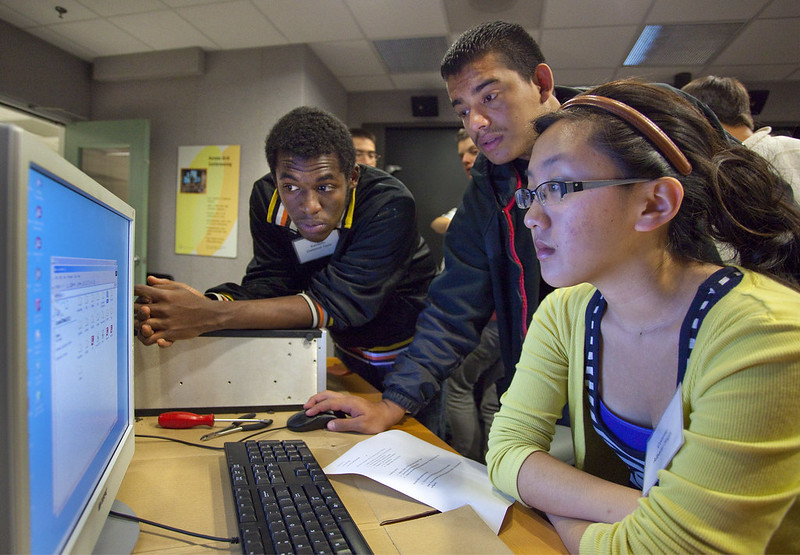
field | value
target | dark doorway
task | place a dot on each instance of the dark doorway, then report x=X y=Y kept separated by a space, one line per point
x=431 y=170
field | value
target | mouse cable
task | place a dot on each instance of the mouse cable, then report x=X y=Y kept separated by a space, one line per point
x=262 y=432
x=134 y=518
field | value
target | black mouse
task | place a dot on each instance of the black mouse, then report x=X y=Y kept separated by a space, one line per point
x=300 y=422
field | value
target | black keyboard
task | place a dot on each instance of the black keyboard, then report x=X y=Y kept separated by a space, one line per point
x=285 y=503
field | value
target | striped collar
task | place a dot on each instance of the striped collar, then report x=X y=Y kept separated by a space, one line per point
x=278 y=215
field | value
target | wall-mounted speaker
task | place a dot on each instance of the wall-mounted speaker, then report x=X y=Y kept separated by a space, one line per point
x=424 y=106
x=757 y=100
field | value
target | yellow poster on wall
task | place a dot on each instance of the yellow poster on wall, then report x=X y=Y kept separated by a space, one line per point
x=208 y=200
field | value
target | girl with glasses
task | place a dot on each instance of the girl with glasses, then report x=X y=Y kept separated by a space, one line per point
x=681 y=372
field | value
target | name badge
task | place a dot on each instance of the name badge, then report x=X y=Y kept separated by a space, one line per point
x=309 y=250
x=666 y=440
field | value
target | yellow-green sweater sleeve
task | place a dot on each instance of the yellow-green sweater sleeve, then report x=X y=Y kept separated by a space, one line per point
x=540 y=381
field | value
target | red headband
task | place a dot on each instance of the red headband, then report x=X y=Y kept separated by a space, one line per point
x=641 y=122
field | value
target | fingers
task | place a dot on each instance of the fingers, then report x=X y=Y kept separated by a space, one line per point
x=142 y=312
x=153 y=280
x=366 y=417
x=164 y=343
x=364 y=424
x=161 y=282
x=147 y=336
x=320 y=401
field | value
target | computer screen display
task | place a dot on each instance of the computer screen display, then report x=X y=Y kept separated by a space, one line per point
x=68 y=282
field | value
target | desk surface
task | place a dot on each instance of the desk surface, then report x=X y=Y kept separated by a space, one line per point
x=182 y=486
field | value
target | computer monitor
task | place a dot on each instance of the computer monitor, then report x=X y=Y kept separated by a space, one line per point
x=66 y=288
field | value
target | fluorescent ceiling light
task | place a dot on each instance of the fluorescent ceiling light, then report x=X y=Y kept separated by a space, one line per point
x=676 y=45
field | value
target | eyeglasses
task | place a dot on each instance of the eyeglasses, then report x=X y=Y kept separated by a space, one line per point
x=551 y=192
x=370 y=154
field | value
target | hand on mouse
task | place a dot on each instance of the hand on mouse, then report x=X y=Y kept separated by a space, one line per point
x=366 y=417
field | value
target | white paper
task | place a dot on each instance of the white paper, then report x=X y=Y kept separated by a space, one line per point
x=666 y=440
x=427 y=473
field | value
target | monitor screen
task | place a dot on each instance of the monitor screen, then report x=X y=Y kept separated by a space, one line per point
x=67 y=285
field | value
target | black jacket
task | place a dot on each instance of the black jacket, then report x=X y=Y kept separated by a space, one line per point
x=489 y=265
x=371 y=289
x=482 y=274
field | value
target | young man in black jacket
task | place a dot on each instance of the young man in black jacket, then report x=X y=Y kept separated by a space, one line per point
x=335 y=245
x=498 y=82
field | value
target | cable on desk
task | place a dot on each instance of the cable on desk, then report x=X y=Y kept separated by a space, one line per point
x=203 y=446
x=182 y=441
x=232 y=539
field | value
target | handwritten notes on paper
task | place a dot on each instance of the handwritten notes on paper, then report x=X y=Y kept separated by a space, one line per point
x=427 y=473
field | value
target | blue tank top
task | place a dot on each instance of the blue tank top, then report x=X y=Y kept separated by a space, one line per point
x=628 y=440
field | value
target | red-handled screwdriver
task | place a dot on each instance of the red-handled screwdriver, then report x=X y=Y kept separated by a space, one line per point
x=180 y=419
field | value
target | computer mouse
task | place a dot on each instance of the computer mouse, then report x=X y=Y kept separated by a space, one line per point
x=301 y=422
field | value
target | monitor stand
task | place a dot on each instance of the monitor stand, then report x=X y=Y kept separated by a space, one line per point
x=119 y=536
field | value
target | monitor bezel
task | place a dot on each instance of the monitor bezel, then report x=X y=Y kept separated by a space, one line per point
x=21 y=151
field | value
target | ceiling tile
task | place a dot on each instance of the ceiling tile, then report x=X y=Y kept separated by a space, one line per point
x=795 y=76
x=185 y=3
x=233 y=24
x=386 y=19
x=585 y=41
x=570 y=48
x=464 y=14
x=47 y=34
x=349 y=58
x=782 y=8
x=681 y=43
x=15 y=18
x=110 y=8
x=580 y=13
x=778 y=42
x=304 y=21
x=44 y=13
x=163 y=30
x=412 y=55
x=694 y=11
x=100 y=36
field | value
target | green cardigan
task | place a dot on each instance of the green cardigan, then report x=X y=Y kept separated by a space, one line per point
x=734 y=484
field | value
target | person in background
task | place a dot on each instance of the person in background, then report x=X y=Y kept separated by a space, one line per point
x=681 y=373
x=364 y=142
x=467 y=153
x=335 y=245
x=471 y=392
x=498 y=82
x=729 y=99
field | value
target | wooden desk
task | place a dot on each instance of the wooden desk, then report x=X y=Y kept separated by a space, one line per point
x=182 y=486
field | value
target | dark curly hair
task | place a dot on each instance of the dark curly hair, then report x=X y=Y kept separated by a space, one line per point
x=308 y=132
x=509 y=41
x=731 y=195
